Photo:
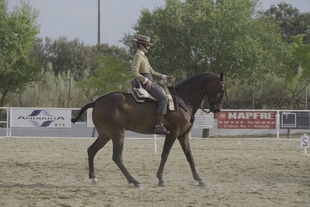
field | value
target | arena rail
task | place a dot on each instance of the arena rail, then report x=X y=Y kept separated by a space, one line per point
x=6 y=121
x=227 y=120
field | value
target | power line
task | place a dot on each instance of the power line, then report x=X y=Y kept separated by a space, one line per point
x=109 y=18
x=87 y=19
x=128 y=12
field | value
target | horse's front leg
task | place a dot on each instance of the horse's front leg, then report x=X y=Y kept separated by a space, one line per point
x=170 y=139
x=184 y=141
x=117 y=158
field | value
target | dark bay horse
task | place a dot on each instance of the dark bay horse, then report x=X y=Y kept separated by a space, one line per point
x=116 y=112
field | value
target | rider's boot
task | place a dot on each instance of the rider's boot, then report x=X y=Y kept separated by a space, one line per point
x=160 y=126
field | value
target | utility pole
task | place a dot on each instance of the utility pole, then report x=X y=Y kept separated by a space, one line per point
x=98 y=22
x=69 y=90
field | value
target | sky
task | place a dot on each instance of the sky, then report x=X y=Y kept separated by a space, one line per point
x=79 y=18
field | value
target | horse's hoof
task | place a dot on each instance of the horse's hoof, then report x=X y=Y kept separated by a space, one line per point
x=162 y=185
x=95 y=181
x=138 y=185
x=203 y=184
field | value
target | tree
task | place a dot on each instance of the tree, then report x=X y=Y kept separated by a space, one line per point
x=18 y=30
x=295 y=28
x=298 y=79
x=73 y=57
x=203 y=35
x=112 y=76
x=67 y=57
x=291 y=21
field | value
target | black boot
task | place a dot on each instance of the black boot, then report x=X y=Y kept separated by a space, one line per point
x=160 y=127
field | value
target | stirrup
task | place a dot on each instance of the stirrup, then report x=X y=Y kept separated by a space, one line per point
x=160 y=129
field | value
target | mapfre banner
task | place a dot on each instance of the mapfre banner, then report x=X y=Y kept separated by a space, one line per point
x=40 y=117
x=246 y=120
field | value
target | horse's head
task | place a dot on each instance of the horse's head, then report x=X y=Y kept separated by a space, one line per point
x=215 y=94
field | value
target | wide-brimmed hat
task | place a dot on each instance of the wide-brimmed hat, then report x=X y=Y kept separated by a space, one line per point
x=143 y=39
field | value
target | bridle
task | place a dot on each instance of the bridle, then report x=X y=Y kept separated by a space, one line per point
x=219 y=96
x=218 y=99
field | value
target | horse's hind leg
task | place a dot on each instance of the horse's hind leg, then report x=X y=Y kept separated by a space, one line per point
x=118 y=145
x=184 y=141
x=92 y=151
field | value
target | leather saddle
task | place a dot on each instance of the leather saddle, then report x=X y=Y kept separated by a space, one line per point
x=141 y=95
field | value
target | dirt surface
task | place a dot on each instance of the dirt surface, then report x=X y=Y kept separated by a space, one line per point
x=45 y=172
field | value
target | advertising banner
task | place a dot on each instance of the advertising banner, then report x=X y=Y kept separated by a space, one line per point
x=40 y=117
x=294 y=120
x=246 y=120
x=203 y=120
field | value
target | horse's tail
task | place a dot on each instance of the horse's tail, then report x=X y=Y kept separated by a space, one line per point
x=83 y=109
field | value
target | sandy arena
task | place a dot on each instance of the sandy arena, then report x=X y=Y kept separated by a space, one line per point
x=47 y=172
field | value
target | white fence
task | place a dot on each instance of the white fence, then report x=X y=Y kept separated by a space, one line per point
x=6 y=121
x=229 y=122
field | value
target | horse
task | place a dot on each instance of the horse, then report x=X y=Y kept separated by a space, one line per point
x=116 y=112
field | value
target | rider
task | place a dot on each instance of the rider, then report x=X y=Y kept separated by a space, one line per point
x=143 y=72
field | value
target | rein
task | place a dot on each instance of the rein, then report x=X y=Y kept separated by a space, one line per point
x=181 y=104
x=185 y=107
x=193 y=101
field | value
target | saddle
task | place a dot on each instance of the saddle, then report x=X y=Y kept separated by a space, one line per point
x=141 y=95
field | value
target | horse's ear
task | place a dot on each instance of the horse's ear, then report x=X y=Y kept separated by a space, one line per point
x=221 y=75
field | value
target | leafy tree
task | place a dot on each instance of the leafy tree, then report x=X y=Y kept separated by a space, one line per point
x=69 y=62
x=295 y=28
x=73 y=57
x=111 y=76
x=18 y=30
x=291 y=21
x=297 y=80
x=203 y=35
x=114 y=51
x=70 y=57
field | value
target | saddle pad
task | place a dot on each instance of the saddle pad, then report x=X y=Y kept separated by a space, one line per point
x=171 y=105
x=140 y=98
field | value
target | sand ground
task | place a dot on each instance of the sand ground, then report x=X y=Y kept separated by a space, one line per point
x=47 y=172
